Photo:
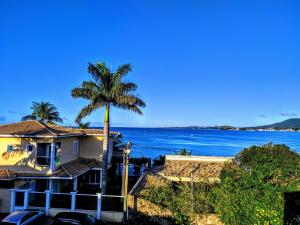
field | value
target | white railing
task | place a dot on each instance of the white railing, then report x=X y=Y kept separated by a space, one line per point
x=68 y=201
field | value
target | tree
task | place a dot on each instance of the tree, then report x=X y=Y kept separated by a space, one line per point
x=83 y=125
x=159 y=161
x=253 y=185
x=107 y=89
x=183 y=152
x=44 y=112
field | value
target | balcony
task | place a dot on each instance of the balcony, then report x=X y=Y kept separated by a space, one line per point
x=43 y=160
x=43 y=157
x=108 y=206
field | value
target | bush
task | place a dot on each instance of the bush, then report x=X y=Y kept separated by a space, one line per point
x=183 y=152
x=159 y=161
x=138 y=162
x=253 y=185
x=183 y=199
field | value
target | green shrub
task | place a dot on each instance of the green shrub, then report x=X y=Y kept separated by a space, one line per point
x=183 y=152
x=159 y=161
x=183 y=199
x=138 y=162
x=253 y=185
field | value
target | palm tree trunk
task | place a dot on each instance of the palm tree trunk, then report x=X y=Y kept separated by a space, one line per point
x=105 y=149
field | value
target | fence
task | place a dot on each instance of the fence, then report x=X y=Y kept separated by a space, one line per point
x=73 y=201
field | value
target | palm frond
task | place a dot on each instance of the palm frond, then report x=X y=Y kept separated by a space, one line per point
x=93 y=70
x=108 y=88
x=89 y=85
x=99 y=71
x=132 y=108
x=80 y=92
x=85 y=111
x=129 y=87
x=122 y=71
x=29 y=117
x=130 y=100
x=44 y=112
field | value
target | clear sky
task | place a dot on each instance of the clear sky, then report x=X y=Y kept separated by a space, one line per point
x=200 y=62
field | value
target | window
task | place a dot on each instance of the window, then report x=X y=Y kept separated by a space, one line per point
x=29 y=148
x=93 y=177
x=10 y=148
x=75 y=146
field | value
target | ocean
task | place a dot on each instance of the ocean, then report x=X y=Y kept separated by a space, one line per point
x=152 y=142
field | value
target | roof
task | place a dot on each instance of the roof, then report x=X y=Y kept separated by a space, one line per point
x=76 y=168
x=34 y=128
x=7 y=174
x=67 y=170
x=196 y=167
x=21 y=170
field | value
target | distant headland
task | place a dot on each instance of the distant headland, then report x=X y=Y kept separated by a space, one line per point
x=292 y=124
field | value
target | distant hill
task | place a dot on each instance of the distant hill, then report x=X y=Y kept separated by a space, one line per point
x=293 y=123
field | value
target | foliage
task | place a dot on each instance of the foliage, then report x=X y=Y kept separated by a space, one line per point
x=44 y=112
x=183 y=152
x=118 y=144
x=82 y=125
x=137 y=218
x=107 y=89
x=183 y=199
x=253 y=185
x=138 y=162
x=159 y=161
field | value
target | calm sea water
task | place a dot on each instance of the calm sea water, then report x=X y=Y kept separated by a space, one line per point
x=152 y=142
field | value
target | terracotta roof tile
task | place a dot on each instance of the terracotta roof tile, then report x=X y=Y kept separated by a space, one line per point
x=35 y=128
x=67 y=170
x=7 y=175
x=76 y=167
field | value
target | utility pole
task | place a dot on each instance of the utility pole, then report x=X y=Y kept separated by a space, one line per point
x=126 y=153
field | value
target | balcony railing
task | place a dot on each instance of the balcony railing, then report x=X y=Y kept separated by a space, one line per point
x=45 y=160
x=73 y=201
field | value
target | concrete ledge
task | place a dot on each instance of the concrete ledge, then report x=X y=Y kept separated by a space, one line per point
x=198 y=158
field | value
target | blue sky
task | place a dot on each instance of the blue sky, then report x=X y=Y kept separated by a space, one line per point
x=201 y=62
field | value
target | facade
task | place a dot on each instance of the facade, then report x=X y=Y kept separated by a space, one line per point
x=36 y=158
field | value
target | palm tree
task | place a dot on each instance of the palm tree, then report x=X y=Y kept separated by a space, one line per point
x=183 y=152
x=83 y=125
x=44 y=112
x=106 y=90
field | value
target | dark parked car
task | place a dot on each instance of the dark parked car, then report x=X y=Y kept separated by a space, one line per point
x=73 y=218
x=24 y=217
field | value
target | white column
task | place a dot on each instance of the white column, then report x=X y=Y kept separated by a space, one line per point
x=99 y=205
x=26 y=199
x=101 y=180
x=50 y=185
x=52 y=157
x=75 y=184
x=73 y=201
x=47 y=205
x=12 y=200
